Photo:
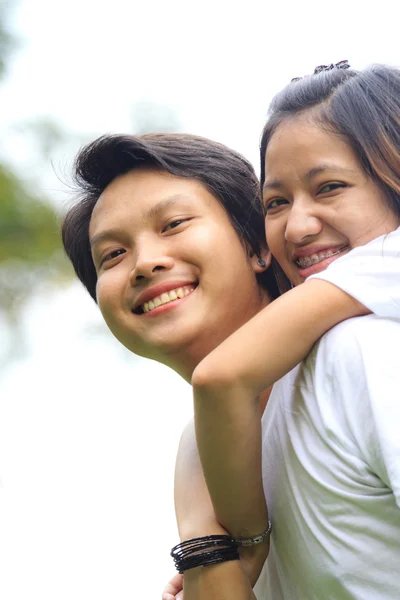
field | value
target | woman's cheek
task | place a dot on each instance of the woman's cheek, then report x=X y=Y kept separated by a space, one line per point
x=275 y=239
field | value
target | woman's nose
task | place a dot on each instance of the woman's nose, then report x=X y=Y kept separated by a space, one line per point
x=302 y=222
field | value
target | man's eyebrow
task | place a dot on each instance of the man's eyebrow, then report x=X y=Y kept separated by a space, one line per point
x=165 y=203
x=153 y=213
x=277 y=184
x=108 y=234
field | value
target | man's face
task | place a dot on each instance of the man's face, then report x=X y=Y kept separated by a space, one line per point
x=174 y=280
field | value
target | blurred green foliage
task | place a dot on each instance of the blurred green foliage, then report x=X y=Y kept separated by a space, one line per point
x=30 y=248
x=7 y=41
x=31 y=255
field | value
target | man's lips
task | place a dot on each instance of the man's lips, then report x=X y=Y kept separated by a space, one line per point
x=157 y=290
x=166 y=302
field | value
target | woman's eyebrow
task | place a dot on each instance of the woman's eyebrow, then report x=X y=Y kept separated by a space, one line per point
x=277 y=184
x=326 y=167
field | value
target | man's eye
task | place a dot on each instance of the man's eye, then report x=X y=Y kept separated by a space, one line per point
x=174 y=224
x=274 y=203
x=112 y=255
x=329 y=187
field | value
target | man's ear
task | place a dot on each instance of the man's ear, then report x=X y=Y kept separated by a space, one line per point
x=261 y=261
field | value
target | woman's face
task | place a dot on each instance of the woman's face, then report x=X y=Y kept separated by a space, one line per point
x=319 y=202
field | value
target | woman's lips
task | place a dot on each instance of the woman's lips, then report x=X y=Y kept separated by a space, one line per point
x=318 y=261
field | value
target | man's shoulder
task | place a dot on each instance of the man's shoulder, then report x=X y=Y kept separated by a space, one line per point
x=368 y=336
x=360 y=328
x=354 y=365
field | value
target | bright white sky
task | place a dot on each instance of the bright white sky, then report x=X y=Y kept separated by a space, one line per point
x=88 y=433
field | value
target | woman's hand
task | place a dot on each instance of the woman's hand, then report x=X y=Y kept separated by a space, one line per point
x=174 y=588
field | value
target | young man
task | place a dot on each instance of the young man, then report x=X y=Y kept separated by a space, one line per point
x=168 y=238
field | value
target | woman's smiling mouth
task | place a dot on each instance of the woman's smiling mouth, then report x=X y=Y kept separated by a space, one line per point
x=314 y=262
x=307 y=261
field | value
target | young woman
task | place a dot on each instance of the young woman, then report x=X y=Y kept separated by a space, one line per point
x=331 y=468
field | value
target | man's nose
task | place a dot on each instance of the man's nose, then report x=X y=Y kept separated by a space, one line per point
x=149 y=263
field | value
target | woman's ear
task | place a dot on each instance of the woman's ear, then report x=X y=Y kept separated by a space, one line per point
x=261 y=261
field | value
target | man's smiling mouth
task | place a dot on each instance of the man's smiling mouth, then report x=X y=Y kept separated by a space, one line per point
x=165 y=298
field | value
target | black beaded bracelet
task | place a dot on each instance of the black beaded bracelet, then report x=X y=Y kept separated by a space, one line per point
x=212 y=549
x=204 y=551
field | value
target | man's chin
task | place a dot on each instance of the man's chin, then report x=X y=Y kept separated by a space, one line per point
x=160 y=349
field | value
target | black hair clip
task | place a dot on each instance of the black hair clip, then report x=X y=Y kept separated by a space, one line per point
x=343 y=64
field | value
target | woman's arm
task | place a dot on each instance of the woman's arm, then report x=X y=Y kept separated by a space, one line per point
x=193 y=507
x=278 y=338
x=225 y=581
x=196 y=518
x=227 y=386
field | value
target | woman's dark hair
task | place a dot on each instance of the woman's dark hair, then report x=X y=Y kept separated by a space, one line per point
x=362 y=106
x=225 y=173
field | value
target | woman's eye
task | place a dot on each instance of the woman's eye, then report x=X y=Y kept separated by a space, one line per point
x=329 y=187
x=271 y=204
x=111 y=255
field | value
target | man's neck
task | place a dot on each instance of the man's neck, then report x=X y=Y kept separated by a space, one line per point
x=184 y=360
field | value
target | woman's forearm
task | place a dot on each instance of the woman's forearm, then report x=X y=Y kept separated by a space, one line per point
x=224 y=581
x=228 y=431
x=195 y=512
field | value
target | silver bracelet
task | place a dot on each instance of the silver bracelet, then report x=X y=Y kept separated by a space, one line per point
x=257 y=539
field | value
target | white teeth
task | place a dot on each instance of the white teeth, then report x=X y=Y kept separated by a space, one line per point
x=166 y=297
x=306 y=261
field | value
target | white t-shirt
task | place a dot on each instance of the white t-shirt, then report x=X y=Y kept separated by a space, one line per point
x=331 y=449
x=371 y=274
